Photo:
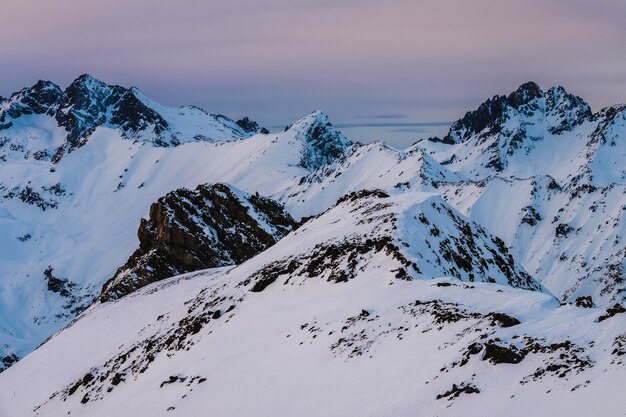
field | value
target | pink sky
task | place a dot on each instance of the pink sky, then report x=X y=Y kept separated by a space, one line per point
x=277 y=60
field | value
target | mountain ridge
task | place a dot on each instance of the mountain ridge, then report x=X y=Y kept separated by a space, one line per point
x=88 y=103
x=530 y=193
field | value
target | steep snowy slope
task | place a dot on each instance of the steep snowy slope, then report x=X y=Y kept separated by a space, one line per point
x=323 y=323
x=68 y=223
x=544 y=174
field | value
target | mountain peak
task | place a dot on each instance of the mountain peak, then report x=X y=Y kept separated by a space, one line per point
x=559 y=109
x=566 y=110
x=322 y=142
x=86 y=79
x=44 y=85
x=87 y=89
x=315 y=117
x=525 y=94
x=40 y=98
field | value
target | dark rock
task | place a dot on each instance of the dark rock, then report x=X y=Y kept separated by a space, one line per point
x=84 y=381
x=117 y=378
x=8 y=360
x=357 y=195
x=563 y=230
x=501 y=354
x=192 y=230
x=250 y=126
x=612 y=311
x=172 y=379
x=503 y=320
x=584 y=301
x=263 y=283
x=61 y=286
x=457 y=390
x=446 y=140
x=531 y=216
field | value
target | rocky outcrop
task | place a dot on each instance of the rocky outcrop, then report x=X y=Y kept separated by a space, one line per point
x=322 y=142
x=41 y=98
x=560 y=109
x=188 y=230
x=251 y=126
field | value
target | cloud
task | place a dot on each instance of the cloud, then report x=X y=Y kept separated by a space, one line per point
x=383 y=116
x=408 y=130
x=277 y=60
x=390 y=124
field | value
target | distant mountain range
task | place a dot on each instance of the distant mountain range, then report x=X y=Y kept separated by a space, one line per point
x=177 y=262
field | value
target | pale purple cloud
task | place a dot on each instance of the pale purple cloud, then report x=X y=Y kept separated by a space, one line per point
x=276 y=60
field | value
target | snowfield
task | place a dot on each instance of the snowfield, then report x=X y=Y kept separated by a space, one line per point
x=477 y=274
x=377 y=345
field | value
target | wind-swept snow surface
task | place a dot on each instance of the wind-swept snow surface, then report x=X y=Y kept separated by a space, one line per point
x=347 y=337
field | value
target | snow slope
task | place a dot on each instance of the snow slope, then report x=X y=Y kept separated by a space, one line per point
x=260 y=340
x=552 y=188
x=69 y=222
x=373 y=165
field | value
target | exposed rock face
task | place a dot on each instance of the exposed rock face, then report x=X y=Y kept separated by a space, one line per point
x=251 y=126
x=323 y=143
x=565 y=109
x=41 y=98
x=211 y=226
x=89 y=103
x=561 y=110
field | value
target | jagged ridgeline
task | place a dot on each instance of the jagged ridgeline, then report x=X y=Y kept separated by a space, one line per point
x=87 y=104
x=493 y=246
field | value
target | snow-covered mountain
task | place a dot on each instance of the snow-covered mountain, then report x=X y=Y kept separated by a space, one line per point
x=340 y=317
x=535 y=168
x=481 y=270
x=69 y=223
x=45 y=122
x=553 y=173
